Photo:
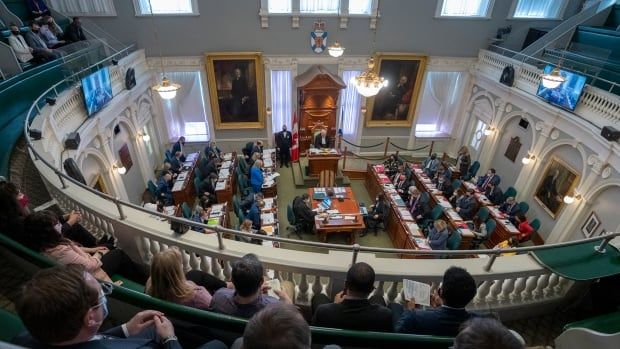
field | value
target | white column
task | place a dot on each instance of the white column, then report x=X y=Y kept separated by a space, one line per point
x=489 y=146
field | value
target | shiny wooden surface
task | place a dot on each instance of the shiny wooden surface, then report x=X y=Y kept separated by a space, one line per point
x=349 y=207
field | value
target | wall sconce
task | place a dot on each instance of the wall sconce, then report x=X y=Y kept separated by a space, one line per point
x=570 y=199
x=145 y=137
x=363 y=109
x=527 y=159
x=268 y=111
x=121 y=170
x=489 y=131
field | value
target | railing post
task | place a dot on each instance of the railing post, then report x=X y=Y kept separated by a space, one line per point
x=430 y=150
x=119 y=207
x=387 y=144
x=489 y=264
x=339 y=142
x=356 y=250
x=220 y=239
x=62 y=180
x=344 y=159
x=601 y=248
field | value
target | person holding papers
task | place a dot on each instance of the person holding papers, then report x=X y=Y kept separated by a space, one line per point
x=256 y=176
x=448 y=312
x=322 y=140
x=377 y=214
x=438 y=235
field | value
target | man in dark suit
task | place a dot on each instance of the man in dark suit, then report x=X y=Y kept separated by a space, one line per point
x=402 y=186
x=208 y=185
x=510 y=208
x=176 y=163
x=377 y=214
x=494 y=194
x=444 y=185
x=351 y=309
x=208 y=167
x=303 y=212
x=178 y=146
x=466 y=205
x=39 y=47
x=164 y=186
x=254 y=213
x=322 y=140
x=457 y=289
x=82 y=307
x=211 y=150
x=284 y=140
x=490 y=177
x=249 y=199
x=74 y=32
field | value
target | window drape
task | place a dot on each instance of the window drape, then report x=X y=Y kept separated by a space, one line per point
x=439 y=101
x=187 y=107
x=281 y=104
x=537 y=8
x=360 y=7
x=350 y=115
x=279 y=6
x=319 y=6
x=84 y=7
x=469 y=8
x=165 y=6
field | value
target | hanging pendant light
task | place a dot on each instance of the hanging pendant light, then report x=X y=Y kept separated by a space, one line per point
x=335 y=50
x=166 y=89
x=369 y=83
x=553 y=79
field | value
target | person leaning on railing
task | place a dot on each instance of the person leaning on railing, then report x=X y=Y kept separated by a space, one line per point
x=42 y=233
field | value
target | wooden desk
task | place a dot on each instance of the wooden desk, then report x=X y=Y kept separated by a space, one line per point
x=318 y=162
x=183 y=190
x=347 y=207
x=270 y=165
x=400 y=226
x=227 y=182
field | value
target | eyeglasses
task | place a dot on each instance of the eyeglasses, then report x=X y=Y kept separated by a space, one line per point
x=106 y=289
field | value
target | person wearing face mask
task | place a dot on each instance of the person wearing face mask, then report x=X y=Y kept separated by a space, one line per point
x=39 y=47
x=376 y=215
x=42 y=233
x=466 y=205
x=484 y=181
x=83 y=306
x=430 y=165
x=284 y=141
x=23 y=51
x=212 y=151
x=444 y=186
x=46 y=33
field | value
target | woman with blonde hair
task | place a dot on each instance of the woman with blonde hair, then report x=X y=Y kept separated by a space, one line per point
x=168 y=282
x=438 y=235
x=463 y=160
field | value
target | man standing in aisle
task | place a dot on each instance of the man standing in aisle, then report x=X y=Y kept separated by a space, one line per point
x=284 y=141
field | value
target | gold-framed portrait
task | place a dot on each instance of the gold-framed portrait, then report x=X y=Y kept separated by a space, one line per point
x=396 y=103
x=559 y=179
x=236 y=89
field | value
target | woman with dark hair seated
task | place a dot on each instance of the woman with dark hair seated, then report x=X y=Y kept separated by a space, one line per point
x=12 y=213
x=168 y=282
x=42 y=233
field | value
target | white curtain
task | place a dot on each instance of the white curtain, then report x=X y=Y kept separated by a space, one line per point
x=281 y=95
x=165 y=6
x=187 y=106
x=444 y=87
x=538 y=8
x=360 y=7
x=84 y=7
x=279 y=6
x=319 y=6
x=476 y=8
x=350 y=104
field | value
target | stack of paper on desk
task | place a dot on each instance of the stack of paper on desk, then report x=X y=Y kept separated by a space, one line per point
x=267 y=218
x=221 y=185
x=228 y=156
x=178 y=185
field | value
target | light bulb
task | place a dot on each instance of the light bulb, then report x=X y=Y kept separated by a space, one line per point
x=569 y=199
x=526 y=160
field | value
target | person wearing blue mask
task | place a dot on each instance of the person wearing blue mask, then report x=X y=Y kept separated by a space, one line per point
x=72 y=294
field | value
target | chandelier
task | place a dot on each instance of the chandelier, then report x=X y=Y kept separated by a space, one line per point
x=335 y=50
x=166 y=89
x=368 y=83
x=553 y=79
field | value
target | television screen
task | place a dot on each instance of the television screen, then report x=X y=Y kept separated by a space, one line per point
x=97 y=90
x=567 y=94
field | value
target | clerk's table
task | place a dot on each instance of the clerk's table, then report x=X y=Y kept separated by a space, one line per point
x=323 y=159
x=347 y=219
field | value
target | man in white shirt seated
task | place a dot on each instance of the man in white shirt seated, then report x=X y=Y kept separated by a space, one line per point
x=322 y=140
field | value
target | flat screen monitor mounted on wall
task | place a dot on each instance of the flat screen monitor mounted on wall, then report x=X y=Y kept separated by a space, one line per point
x=97 y=90
x=567 y=94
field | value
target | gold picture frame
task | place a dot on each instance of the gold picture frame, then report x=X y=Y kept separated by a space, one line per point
x=99 y=184
x=236 y=89
x=559 y=179
x=395 y=105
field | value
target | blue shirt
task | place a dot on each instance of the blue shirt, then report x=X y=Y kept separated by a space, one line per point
x=256 y=177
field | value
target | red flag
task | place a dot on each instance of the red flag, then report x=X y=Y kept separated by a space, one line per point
x=295 y=148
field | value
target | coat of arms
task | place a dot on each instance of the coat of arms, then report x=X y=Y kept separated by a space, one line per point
x=318 y=37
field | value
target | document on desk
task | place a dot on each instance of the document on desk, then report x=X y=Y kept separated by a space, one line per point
x=228 y=156
x=221 y=185
x=267 y=162
x=419 y=291
x=178 y=185
x=267 y=218
x=226 y=164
